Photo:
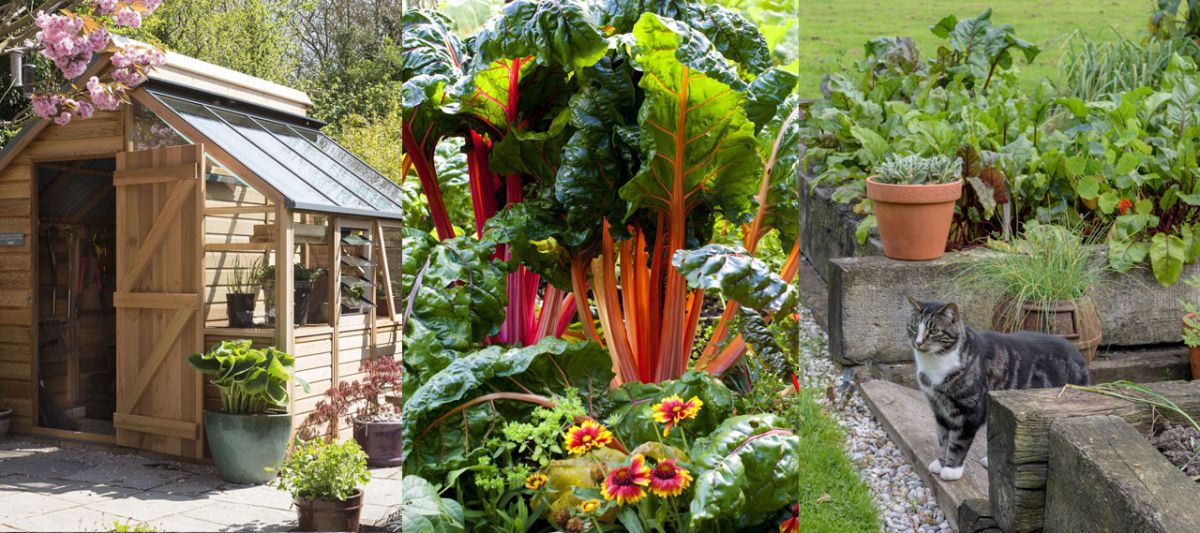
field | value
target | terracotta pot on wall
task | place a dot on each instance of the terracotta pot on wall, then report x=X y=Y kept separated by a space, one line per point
x=1193 y=351
x=1078 y=322
x=914 y=220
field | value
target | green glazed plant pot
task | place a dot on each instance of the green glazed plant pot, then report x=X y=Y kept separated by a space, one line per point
x=244 y=446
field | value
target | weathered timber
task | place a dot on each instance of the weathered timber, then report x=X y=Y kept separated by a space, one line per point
x=907 y=417
x=1105 y=476
x=827 y=228
x=1018 y=441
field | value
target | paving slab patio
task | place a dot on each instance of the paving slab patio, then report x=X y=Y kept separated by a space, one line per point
x=52 y=486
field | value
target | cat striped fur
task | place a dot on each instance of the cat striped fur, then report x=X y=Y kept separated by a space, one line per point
x=957 y=366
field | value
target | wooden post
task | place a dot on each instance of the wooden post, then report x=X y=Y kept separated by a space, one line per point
x=285 y=288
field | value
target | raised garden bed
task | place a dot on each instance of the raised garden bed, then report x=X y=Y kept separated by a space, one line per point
x=1022 y=457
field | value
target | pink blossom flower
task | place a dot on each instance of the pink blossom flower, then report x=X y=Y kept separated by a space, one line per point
x=63 y=118
x=128 y=17
x=85 y=110
x=98 y=40
x=102 y=95
x=151 y=5
x=45 y=105
x=105 y=7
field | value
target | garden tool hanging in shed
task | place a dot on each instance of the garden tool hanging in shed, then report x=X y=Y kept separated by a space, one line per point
x=50 y=330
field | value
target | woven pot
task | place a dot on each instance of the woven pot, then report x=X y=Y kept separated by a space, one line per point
x=1078 y=322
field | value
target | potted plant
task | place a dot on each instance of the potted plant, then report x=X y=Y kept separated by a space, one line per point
x=363 y=404
x=303 y=281
x=5 y=419
x=250 y=433
x=914 y=199
x=240 y=298
x=1191 y=327
x=354 y=298
x=1042 y=281
x=324 y=478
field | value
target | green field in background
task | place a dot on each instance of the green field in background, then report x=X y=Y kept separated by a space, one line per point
x=832 y=32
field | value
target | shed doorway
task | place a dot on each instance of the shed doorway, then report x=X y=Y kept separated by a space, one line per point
x=76 y=337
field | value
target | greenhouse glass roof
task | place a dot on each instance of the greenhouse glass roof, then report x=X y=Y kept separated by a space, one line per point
x=310 y=170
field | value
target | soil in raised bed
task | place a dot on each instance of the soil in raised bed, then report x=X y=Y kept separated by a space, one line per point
x=1179 y=443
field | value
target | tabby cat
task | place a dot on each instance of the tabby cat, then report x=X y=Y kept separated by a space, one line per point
x=957 y=366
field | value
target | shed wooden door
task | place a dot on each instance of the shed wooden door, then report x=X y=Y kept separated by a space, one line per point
x=160 y=262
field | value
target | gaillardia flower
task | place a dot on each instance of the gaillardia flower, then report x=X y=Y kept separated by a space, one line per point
x=667 y=479
x=535 y=481
x=791 y=525
x=673 y=409
x=625 y=484
x=583 y=438
x=589 y=506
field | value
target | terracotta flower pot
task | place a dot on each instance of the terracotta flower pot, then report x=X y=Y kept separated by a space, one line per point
x=330 y=515
x=1193 y=351
x=1078 y=322
x=914 y=220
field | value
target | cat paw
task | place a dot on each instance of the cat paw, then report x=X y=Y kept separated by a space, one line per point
x=951 y=474
x=984 y=462
x=936 y=466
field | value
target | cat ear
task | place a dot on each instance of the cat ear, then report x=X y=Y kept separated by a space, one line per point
x=950 y=311
x=915 y=303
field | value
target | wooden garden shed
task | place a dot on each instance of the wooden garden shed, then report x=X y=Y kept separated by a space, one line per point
x=121 y=235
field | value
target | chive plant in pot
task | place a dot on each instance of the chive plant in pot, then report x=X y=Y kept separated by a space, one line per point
x=1191 y=327
x=250 y=433
x=303 y=281
x=1043 y=282
x=324 y=480
x=913 y=200
x=240 y=298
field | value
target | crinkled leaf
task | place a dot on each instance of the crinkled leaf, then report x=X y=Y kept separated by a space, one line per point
x=737 y=276
x=483 y=93
x=731 y=34
x=698 y=146
x=560 y=32
x=746 y=470
x=779 y=147
x=534 y=154
x=767 y=92
x=762 y=341
x=425 y=510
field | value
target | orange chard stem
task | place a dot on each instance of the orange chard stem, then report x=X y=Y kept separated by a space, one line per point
x=579 y=285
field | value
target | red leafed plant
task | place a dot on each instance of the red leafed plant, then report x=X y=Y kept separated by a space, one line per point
x=356 y=400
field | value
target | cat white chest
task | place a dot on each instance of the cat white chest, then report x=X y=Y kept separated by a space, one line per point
x=934 y=368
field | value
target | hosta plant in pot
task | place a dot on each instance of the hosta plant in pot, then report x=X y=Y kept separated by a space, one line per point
x=913 y=200
x=1042 y=282
x=1191 y=327
x=250 y=433
x=324 y=480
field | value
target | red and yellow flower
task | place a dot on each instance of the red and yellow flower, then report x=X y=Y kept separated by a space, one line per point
x=535 y=481
x=589 y=506
x=627 y=484
x=668 y=479
x=791 y=525
x=673 y=410
x=584 y=437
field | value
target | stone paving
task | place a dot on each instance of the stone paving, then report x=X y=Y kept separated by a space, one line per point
x=61 y=486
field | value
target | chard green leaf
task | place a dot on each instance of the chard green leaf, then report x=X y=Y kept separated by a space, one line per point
x=863 y=230
x=730 y=33
x=767 y=92
x=737 y=276
x=779 y=147
x=558 y=32
x=746 y=470
x=698 y=146
x=874 y=147
x=538 y=239
x=425 y=510
x=1167 y=256
x=633 y=421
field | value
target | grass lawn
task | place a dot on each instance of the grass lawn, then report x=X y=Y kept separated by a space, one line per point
x=832 y=32
x=832 y=495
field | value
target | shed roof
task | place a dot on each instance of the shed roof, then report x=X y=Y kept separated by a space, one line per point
x=310 y=170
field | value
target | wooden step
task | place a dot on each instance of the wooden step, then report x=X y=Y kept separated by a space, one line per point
x=906 y=416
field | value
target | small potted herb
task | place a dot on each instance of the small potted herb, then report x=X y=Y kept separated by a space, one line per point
x=376 y=421
x=913 y=200
x=354 y=299
x=324 y=480
x=241 y=295
x=1043 y=282
x=1191 y=327
x=250 y=433
x=303 y=281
